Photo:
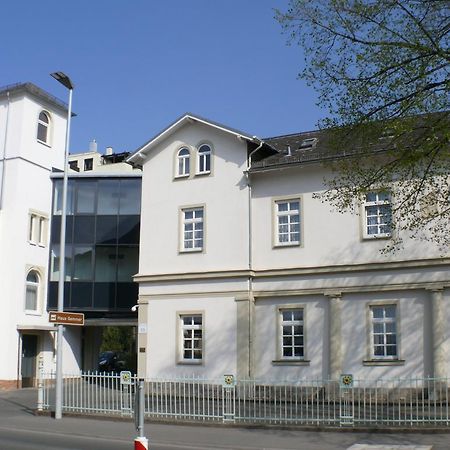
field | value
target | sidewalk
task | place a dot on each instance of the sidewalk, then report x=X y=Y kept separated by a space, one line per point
x=17 y=413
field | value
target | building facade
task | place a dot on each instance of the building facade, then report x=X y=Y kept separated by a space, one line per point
x=32 y=137
x=243 y=271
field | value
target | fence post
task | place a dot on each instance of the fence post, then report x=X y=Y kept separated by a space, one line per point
x=40 y=404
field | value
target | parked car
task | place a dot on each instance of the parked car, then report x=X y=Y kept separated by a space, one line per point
x=110 y=361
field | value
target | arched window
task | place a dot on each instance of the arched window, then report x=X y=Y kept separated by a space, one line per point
x=183 y=158
x=204 y=159
x=43 y=131
x=32 y=291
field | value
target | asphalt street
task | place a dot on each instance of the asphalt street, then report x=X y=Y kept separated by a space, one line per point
x=21 y=429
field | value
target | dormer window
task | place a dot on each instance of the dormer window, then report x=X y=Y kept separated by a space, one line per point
x=204 y=159
x=183 y=158
x=43 y=130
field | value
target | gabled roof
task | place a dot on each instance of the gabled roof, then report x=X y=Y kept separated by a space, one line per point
x=142 y=151
x=35 y=91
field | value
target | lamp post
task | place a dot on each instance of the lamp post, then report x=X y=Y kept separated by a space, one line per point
x=65 y=81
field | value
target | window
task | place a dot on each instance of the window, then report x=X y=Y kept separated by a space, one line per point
x=88 y=164
x=377 y=215
x=384 y=331
x=287 y=222
x=74 y=165
x=292 y=344
x=32 y=291
x=192 y=239
x=191 y=338
x=204 y=159
x=37 y=229
x=43 y=130
x=183 y=158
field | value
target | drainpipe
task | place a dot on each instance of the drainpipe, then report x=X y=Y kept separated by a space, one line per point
x=3 y=159
x=250 y=257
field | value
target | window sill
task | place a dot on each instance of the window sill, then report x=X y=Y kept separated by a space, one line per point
x=289 y=245
x=200 y=174
x=44 y=143
x=291 y=362
x=181 y=177
x=190 y=363
x=30 y=312
x=383 y=362
x=194 y=250
x=377 y=236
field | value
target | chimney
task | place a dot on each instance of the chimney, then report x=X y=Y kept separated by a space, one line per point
x=288 y=150
x=93 y=146
x=109 y=151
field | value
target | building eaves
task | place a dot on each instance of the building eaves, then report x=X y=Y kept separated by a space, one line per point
x=36 y=91
x=142 y=151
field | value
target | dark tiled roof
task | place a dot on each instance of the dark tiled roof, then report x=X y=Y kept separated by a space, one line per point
x=314 y=146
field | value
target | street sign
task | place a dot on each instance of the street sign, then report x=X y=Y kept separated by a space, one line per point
x=66 y=318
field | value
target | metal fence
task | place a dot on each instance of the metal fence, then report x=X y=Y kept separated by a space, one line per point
x=406 y=402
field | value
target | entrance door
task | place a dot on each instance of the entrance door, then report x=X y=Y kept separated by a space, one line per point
x=29 y=353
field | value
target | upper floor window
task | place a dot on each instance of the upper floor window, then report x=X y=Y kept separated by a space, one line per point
x=384 y=331
x=32 y=291
x=287 y=222
x=377 y=215
x=192 y=239
x=204 y=159
x=37 y=229
x=88 y=164
x=43 y=130
x=183 y=162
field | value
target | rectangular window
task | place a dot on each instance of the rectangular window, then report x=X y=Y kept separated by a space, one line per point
x=191 y=338
x=88 y=164
x=377 y=215
x=192 y=239
x=287 y=222
x=384 y=331
x=37 y=229
x=292 y=338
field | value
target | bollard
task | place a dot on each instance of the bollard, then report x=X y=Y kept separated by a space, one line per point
x=141 y=443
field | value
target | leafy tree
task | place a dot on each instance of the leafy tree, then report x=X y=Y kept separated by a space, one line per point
x=382 y=70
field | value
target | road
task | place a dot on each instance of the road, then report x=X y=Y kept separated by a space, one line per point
x=21 y=429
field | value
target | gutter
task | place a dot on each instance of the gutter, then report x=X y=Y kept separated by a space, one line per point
x=251 y=299
x=3 y=158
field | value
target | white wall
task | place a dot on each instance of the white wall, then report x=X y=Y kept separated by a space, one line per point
x=223 y=193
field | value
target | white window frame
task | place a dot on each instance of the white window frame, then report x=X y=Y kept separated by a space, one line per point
x=37 y=287
x=46 y=125
x=190 y=227
x=204 y=158
x=189 y=335
x=385 y=323
x=37 y=229
x=291 y=322
x=183 y=163
x=377 y=203
x=288 y=215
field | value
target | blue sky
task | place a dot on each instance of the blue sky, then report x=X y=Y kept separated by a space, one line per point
x=138 y=65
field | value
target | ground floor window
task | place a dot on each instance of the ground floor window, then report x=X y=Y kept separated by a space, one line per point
x=292 y=343
x=191 y=338
x=384 y=331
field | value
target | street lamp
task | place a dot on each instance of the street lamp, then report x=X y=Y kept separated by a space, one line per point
x=62 y=78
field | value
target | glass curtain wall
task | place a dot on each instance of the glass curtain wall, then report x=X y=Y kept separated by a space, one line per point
x=102 y=243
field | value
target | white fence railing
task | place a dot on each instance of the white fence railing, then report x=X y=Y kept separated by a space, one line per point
x=406 y=402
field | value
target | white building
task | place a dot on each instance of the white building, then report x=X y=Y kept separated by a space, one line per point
x=32 y=137
x=242 y=271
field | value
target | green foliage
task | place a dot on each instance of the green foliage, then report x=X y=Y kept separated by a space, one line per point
x=117 y=339
x=382 y=70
